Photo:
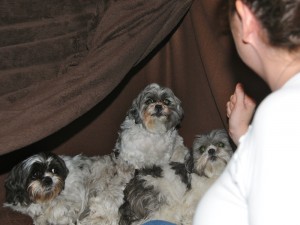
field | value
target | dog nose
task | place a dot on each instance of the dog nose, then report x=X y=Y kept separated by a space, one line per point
x=211 y=151
x=47 y=181
x=158 y=108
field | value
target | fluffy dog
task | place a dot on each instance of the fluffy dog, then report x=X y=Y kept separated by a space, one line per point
x=172 y=192
x=59 y=190
x=49 y=188
x=149 y=133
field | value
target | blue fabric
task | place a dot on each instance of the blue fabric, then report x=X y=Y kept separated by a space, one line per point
x=158 y=222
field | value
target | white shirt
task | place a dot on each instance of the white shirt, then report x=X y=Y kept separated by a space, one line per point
x=261 y=184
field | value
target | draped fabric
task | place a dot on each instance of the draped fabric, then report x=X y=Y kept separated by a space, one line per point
x=69 y=70
x=64 y=62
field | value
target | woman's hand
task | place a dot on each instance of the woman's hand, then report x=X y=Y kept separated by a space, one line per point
x=240 y=109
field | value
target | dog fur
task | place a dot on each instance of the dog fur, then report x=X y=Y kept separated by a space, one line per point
x=172 y=192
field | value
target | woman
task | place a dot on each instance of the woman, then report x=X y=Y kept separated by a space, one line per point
x=261 y=184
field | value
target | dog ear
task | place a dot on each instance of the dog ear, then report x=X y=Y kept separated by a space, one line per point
x=133 y=114
x=64 y=169
x=179 y=108
x=177 y=115
x=181 y=112
x=189 y=162
x=15 y=187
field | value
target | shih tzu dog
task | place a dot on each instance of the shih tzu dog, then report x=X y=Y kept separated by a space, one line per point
x=49 y=188
x=63 y=190
x=171 y=192
x=149 y=133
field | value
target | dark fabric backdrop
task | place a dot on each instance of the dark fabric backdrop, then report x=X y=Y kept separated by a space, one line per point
x=69 y=70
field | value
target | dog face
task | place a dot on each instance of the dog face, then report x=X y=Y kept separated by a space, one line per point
x=211 y=153
x=38 y=179
x=157 y=108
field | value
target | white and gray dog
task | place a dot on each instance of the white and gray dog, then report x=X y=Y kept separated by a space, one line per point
x=149 y=133
x=64 y=190
x=172 y=192
x=48 y=188
x=57 y=190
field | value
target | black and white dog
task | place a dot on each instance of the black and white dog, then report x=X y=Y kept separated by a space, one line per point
x=64 y=190
x=49 y=188
x=172 y=192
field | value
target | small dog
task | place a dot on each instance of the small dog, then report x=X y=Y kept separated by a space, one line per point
x=172 y=192
x=48 y=188
x=59 y=190
x=149 y=133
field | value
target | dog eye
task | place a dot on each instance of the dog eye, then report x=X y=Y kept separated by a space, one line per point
x=149 y=101
x=221 y=145
x=54 y=171
x=167 y=102
x=36 y=175
x=202 y=149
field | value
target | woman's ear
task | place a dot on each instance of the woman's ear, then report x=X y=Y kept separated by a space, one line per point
x=249 y=23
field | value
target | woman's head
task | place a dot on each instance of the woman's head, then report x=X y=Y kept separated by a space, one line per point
x=280 y=18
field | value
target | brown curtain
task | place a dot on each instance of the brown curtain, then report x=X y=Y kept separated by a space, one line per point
x=69 y=71
x=93 y=58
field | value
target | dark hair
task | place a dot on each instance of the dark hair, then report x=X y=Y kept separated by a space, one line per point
x=280 y=18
